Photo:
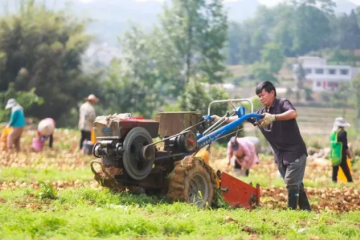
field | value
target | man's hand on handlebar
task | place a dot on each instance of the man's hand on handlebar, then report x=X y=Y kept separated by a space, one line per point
x=267 y=119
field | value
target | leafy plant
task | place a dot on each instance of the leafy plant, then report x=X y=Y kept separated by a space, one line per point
x=25 y=98
x=46 y=191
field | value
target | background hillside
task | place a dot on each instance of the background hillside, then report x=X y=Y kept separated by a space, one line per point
x=111 y=18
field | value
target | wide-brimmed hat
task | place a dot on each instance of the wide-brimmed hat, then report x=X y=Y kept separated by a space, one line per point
x=11 y=103
x=340 y=122
x=92 y=97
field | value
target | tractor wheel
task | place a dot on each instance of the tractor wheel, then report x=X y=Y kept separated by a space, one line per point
x=192 y=181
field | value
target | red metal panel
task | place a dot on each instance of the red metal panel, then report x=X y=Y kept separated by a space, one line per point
x=237 y=193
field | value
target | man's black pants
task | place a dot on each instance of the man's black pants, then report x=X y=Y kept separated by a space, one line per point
x=85 y=135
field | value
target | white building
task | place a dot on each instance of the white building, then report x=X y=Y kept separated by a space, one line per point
x=323 y=76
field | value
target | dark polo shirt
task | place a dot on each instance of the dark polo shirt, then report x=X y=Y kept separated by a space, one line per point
x=284 y=136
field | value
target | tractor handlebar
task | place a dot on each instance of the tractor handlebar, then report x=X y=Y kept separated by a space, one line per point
x=215 y=135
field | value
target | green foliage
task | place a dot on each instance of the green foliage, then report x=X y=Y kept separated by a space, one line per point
x=195 y=33
x=349 y=32
x=46 y=191
x=300 y=79
x=344 y=57
x=297 y=27
x=256 y=104
x=273 y=56
x=41 y=49
x=262 y=72
x=272 y=59
x=356 y=86
x=316 y=144
x=219 y=199
x=233 y=47
x=124 y=91
x=25 y=99
x=196 y=98
x=88 y=214
x=219 y=94
x=340 y=97
x=308 y=94
x=311 y=28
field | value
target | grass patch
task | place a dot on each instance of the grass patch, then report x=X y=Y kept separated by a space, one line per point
x=32 y=174
x=89 y=214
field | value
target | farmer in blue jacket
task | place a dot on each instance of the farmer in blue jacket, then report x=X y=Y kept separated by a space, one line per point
x=17 y=123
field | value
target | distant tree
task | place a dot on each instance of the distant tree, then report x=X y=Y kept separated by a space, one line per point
x=349 y=32
x=122 y=93
x=138 y=81
x=344 y=57
x=273 y=56
x=261 y=72
x=41 y=49
x=195 y=98
x=311 y=29
x=308 y=94
x=272 y=59
x=248 y=53
x=340 y=97
x=326 y=6
x=195 y=31
x=356 y=86
x=300 y=77
x=234 y=36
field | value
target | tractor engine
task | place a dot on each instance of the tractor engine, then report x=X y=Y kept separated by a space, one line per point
x=131 y=158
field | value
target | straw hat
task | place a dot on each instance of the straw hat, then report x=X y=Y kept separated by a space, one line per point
x=92 y=97
x=11 y=103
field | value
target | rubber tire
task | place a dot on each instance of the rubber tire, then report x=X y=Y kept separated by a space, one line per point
x=190 y=176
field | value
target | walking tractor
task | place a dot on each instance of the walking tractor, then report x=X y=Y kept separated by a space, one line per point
x=175 y=165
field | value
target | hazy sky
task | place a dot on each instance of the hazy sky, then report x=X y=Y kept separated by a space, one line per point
x=265 y=2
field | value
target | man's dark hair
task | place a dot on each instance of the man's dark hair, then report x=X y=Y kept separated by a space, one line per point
x=268 y=86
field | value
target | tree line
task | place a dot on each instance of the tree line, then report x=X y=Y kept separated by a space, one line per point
x=170 y=67
x=297 y=27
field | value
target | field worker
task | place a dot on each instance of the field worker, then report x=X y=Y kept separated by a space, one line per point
x=280 y=129
x=243 y=149
x=86 y=118
x=46 y=128
x=17 y=123
x=339 y=150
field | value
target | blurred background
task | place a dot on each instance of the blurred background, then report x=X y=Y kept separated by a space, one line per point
x=148 y=56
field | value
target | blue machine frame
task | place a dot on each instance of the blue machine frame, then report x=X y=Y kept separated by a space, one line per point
x=202 y=140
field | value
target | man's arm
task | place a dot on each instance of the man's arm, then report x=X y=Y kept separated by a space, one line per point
x=288 y=115
x=288 y=111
